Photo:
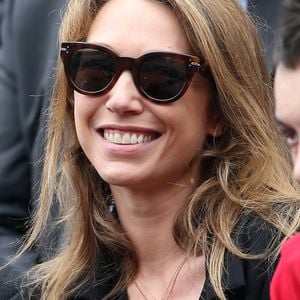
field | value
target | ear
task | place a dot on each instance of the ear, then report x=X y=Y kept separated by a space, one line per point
x=215 y=125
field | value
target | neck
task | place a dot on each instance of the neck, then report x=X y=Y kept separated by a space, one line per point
x=164 y=271
x=148 y=219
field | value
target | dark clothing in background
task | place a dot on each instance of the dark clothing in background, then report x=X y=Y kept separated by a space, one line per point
x=27 y=60
x=1 y=17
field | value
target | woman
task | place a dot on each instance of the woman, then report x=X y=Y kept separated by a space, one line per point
x=167 y=167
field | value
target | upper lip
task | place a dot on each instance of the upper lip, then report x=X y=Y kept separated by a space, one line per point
x=132 y=128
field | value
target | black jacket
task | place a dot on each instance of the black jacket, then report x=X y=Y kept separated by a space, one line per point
x=244 y=279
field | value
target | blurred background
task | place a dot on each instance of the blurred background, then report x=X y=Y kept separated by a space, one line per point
x=266 y=16
x=264 y=12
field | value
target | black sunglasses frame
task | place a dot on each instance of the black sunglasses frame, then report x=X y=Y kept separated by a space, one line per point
x=192 y=63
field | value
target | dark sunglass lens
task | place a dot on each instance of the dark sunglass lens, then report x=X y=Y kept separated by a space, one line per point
x=91 y=70
x=162 y=78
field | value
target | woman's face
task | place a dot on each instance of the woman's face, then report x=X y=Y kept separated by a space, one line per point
x=173 y=134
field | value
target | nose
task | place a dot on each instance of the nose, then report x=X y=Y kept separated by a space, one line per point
x=124 y=97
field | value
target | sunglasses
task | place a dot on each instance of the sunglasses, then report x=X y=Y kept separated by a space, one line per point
x=162 y=77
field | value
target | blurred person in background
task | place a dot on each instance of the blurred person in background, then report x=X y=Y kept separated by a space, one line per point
x=287 y=79
x=27 y=59
x=286 y=281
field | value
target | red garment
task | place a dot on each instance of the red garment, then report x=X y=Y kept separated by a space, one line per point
x=285 y=284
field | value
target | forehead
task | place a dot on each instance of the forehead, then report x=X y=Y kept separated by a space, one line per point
x=133 y=27
x=287 y=95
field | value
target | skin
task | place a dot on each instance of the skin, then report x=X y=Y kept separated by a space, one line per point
x=149 y=181
x=287 y=97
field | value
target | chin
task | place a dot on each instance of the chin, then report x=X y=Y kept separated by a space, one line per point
x=120 y=178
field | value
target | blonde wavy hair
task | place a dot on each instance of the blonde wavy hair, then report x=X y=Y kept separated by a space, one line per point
x=244 y=172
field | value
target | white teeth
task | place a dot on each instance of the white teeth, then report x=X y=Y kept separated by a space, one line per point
x=117 y=139
x=127 y=138
x=111 y=137
x=106 y=135
x=140 y=139
x=133 y=139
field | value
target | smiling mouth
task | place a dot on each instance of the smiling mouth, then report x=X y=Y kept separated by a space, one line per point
x=127 y=137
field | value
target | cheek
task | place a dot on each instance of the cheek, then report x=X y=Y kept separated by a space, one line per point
x=85 y=108
x=80 y=116
x=196 y=112
x=294 y=153
x=187 y=121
